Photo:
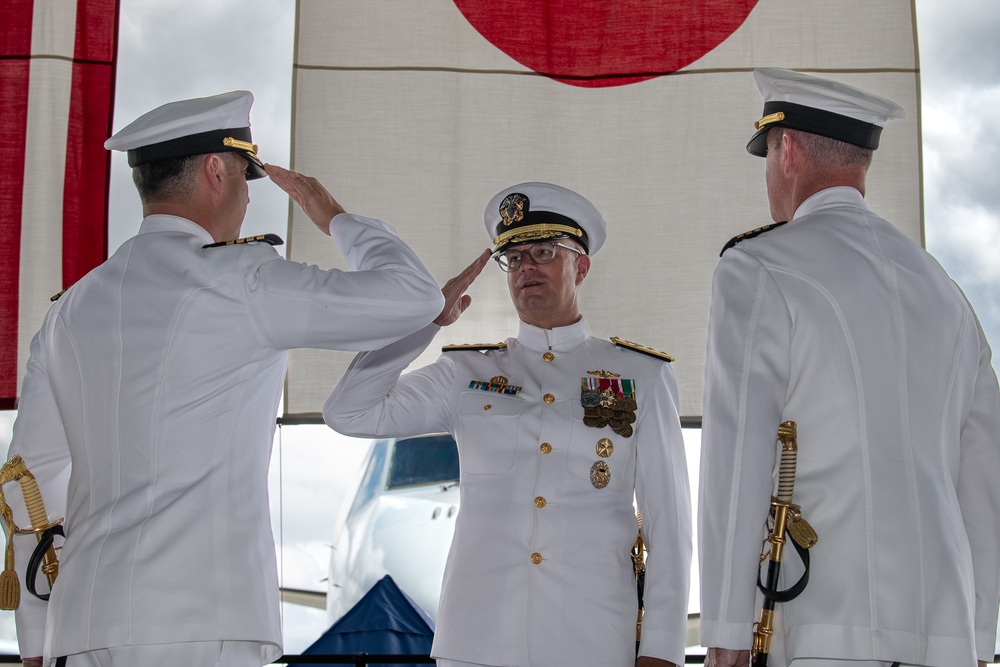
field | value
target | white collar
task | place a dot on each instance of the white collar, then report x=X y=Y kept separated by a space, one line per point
x=837 y=196
x=560 y=339
x=173 y=223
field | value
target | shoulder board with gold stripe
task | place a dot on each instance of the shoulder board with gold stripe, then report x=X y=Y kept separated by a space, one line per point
x=749 y=235
x=477 y=347
x=642 y=349
x=270 y=239
x=55 y=297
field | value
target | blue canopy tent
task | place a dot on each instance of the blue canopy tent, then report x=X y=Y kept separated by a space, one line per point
x=385 y=621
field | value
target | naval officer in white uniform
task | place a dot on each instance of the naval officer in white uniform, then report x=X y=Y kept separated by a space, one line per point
x=839 y=322
x=148 y=409
x=557 y=432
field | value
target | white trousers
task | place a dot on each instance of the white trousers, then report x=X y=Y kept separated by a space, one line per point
x=184 y=654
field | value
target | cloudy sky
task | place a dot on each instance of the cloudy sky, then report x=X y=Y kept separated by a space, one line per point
x=234 y=44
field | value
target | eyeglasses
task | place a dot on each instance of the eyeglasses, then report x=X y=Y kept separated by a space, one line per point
x=540 y=253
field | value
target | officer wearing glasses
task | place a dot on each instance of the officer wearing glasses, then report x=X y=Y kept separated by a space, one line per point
x=541 y=252
x=558 y=432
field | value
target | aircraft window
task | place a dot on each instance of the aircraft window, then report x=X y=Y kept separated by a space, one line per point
x=373 y=476
x=430 y=459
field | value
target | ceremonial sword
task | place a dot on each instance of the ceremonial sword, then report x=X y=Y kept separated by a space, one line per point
x=45 y=555
x=787 y=518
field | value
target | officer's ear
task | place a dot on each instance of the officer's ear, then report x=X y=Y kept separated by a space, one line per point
x=790 y=152
x=214 y=169
x=582 y=267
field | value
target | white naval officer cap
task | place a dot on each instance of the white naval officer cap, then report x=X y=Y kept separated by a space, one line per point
x=216 y=124
x=819 y=106
x=540 y=211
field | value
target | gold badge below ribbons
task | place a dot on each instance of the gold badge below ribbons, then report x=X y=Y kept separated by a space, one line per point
x=600 y=474
x=605 y=448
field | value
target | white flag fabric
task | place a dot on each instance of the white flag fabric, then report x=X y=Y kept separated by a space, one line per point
x=418 y=111
x=57 y=72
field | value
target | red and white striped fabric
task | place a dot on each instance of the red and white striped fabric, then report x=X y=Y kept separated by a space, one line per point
x=57 y=72
x=418 y=111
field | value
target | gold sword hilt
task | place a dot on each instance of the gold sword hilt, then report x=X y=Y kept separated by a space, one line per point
x=781 y=504
x=39 y=523
x=783 y=512
x=16 y=470
x=787 y=436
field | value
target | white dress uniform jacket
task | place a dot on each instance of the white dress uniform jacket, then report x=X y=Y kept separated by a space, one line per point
x=539 y=571
x=840 y=323
x=153 y=385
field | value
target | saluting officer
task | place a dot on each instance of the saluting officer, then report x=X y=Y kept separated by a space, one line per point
x=153 y=387
x=837 y=321
x=557 y=432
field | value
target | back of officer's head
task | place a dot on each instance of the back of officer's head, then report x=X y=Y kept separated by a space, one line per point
x=830 y=121
x=173 y=179
x=167 y=147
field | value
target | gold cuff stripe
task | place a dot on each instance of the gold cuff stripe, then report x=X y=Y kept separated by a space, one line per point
x=770 y=118
x=531 y=232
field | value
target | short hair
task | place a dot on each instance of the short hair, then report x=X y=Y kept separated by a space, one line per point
x=829 y=152
x=571 y=241
x=165 y=180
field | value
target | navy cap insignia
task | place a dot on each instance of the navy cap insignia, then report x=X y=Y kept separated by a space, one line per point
x=600 y=474
x=512 y=208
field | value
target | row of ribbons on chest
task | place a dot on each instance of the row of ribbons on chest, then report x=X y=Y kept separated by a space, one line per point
x=606 y=401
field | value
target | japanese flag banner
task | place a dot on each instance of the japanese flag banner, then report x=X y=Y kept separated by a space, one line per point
x=418 y=111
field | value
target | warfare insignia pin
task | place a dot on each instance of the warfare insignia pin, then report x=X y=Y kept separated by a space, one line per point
x=512 y=208
x=600 y=474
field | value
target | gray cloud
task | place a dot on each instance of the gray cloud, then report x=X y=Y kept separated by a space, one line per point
x=960 y=81
x=958 y=43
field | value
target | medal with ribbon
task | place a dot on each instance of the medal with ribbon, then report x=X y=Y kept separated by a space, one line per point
x=608 y=400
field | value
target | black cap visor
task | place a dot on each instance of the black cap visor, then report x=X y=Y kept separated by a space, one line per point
x=234 y=140
x=539 y=226
x=815 y=121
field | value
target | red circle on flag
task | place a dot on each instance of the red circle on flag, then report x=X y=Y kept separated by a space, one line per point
x=596 y=43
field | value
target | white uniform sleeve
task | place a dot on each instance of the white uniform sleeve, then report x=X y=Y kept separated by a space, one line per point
x=746 y=378
x=979 y=498
x=387 y=294
x=372 y=400
x=663 y=497
x=39 y=438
